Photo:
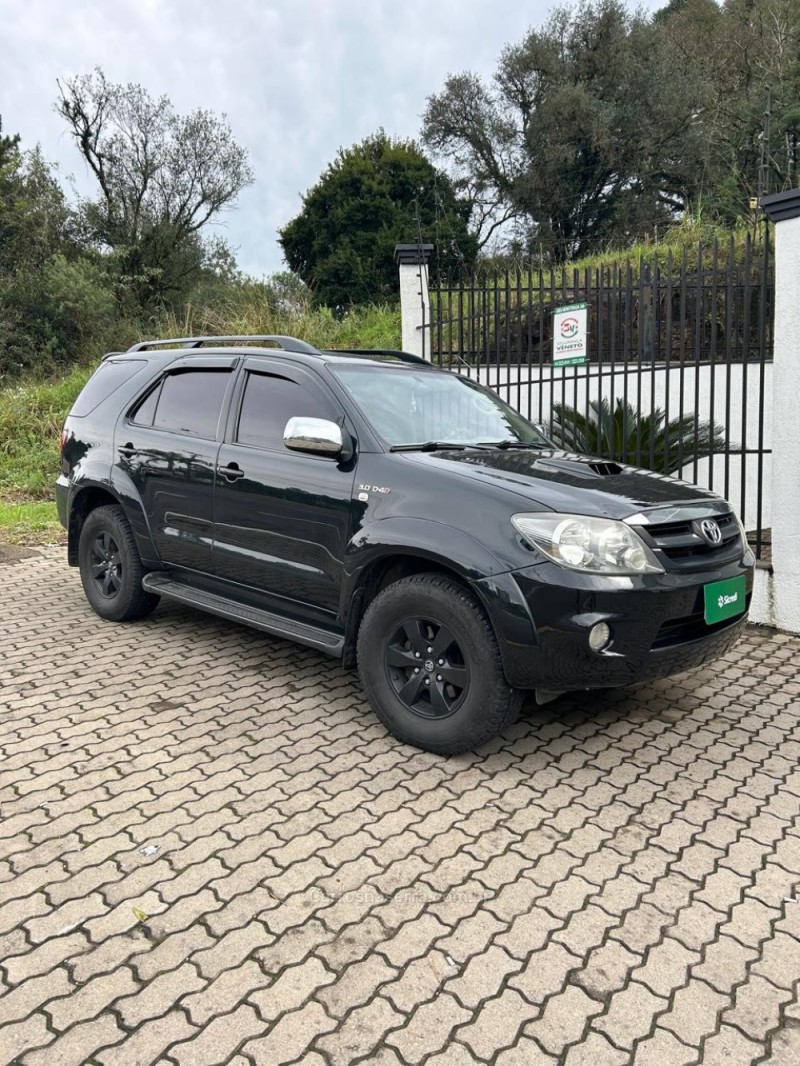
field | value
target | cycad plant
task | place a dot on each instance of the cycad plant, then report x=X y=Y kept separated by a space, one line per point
x=628 y=435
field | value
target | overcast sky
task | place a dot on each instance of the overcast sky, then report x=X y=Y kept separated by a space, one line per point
x=298 y=79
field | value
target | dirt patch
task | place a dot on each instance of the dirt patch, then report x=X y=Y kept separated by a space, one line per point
x=15 y=553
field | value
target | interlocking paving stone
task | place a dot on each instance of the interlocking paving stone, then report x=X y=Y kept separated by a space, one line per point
x=210 y=851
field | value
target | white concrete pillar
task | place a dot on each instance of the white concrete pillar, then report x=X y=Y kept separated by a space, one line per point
x=415 y=304
x=783 y=593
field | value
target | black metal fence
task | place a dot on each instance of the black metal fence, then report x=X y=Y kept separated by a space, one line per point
x=679 y=358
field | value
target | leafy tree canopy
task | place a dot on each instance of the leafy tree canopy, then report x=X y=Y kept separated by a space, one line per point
x=8 y=145
x=161 y=178
x=604 y=124
x=374 y=195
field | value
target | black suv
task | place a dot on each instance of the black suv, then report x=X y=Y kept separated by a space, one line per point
x=394 y=514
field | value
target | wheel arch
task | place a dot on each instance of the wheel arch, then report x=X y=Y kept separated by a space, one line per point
x=87 y=499
x=90 y=495
x=385 y=570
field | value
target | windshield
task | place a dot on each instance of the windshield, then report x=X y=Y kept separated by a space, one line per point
x=408 y=407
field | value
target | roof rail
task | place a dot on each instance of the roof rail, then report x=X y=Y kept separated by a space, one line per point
x=288 y=344
x=404 y=357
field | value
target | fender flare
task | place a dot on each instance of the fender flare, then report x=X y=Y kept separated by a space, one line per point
x=123 y=490
x=447 y=548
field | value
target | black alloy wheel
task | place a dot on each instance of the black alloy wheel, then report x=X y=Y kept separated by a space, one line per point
x=106 y=564
x=426 y=668
x=431 y=666
x=111 y=569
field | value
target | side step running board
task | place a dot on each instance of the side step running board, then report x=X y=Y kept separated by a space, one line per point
x=313 y=636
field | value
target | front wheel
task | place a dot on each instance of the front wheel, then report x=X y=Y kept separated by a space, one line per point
x=430 y=664
x=111 y=570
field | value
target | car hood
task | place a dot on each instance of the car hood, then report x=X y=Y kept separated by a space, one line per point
x=565 y=482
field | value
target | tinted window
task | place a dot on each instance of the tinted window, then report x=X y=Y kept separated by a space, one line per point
x=191 y=402
x=143 y=415
x=106 y=379
x=268 y=404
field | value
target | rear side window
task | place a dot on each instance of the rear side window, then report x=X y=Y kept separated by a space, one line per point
x=104 y=381
x=268 y=404
x=145 y=411
x=190 y=401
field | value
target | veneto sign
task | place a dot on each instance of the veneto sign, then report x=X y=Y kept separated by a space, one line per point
x=569 y=335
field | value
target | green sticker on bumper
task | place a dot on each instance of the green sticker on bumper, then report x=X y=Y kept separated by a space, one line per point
x=725 y=599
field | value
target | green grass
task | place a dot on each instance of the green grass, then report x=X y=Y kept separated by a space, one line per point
x=250 y=312
x=30 y=522
x=31 y=417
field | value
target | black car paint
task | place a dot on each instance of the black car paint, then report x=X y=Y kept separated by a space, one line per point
x=304 y=535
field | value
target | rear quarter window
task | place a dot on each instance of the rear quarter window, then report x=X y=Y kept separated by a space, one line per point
x=105 y=381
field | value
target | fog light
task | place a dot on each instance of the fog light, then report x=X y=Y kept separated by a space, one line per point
x=599 y=636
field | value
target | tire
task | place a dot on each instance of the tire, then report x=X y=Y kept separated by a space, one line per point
x=466 y=700
x=111 y=570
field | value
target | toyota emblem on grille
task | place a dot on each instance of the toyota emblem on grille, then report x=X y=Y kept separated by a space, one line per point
x=710 y=531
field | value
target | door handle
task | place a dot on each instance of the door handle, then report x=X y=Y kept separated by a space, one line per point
x=231 y=472
x=127 y=450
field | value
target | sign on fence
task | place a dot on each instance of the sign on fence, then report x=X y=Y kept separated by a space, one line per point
x=569 y=335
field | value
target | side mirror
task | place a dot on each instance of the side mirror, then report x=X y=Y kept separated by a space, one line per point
x=317 y=435
x=545 y=432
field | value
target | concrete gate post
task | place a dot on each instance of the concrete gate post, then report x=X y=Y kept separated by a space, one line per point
x=415 y=304
x=782 y=585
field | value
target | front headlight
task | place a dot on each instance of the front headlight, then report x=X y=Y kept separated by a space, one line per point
x=596 y=545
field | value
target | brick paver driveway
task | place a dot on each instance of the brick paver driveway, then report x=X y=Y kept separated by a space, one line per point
x=210 y=852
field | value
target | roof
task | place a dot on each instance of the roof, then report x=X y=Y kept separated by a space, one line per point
x=273 y=344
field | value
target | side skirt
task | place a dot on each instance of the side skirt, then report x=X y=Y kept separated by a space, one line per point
x=315 y=637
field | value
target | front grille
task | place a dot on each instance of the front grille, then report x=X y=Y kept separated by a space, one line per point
x=692 y=627
x=683 y=548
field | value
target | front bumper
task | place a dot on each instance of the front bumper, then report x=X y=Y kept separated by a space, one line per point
x=542 y=616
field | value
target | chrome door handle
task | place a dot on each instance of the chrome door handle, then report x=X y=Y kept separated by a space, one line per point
x=231 y=472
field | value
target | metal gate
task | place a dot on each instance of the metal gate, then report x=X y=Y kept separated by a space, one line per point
x=678 y=378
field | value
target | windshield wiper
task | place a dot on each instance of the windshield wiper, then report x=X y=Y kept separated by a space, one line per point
x=510 y=444
x=429 y=446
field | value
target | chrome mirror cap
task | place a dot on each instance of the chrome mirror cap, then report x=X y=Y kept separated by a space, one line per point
x=305 y=434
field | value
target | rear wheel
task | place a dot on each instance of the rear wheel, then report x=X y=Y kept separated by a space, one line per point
x=110 y=567
x=429 y=661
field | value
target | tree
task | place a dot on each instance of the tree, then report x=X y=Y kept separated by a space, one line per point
x=55 y=297
x=35 y=220
x=587 y=133
x=161 y=176
x=8 y=146
x=759 y=45
x=10 y=181
x=626 y=434
x=374 y=195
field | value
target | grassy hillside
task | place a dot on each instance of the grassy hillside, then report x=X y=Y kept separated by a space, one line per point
x=693 y=238
x=32 y=412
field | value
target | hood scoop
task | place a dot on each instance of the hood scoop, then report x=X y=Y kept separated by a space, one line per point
x=578 y=466
x=605 y=468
